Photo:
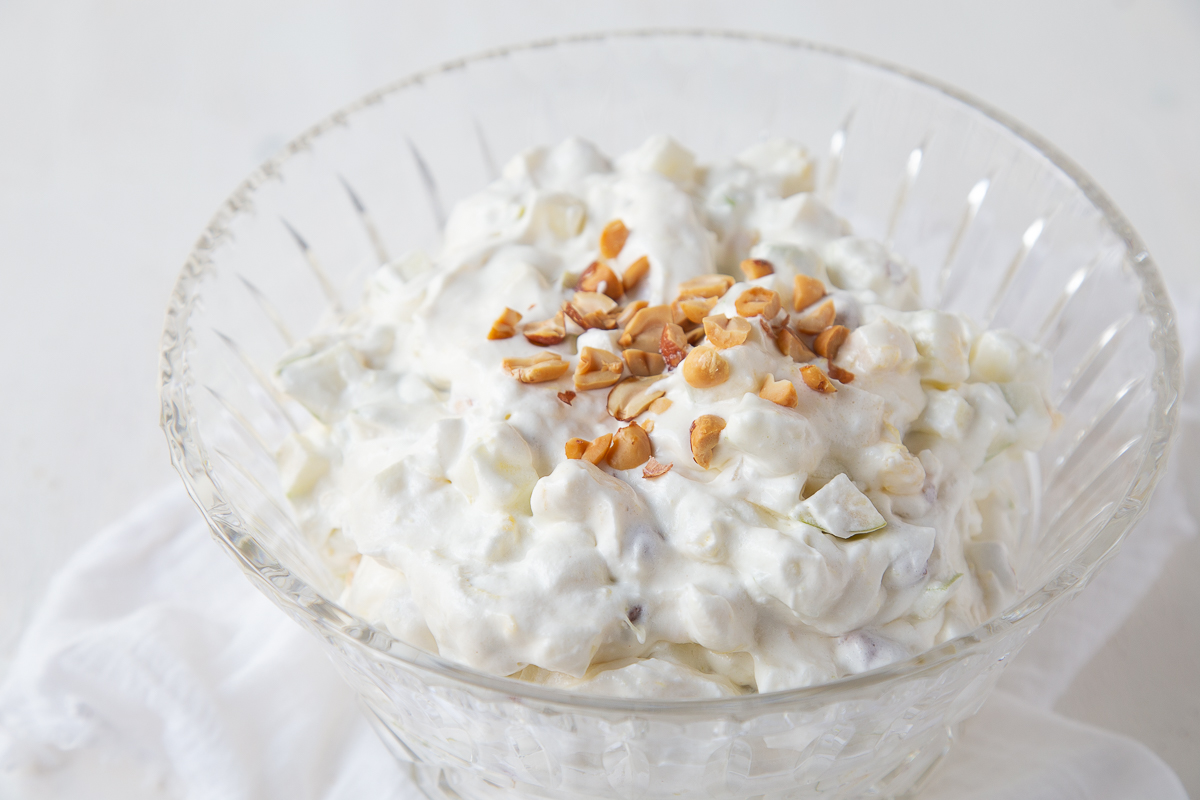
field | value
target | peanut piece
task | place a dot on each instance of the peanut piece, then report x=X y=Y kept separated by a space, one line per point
x=628 y=312
x=591 y=310
x=754 y=268
x=659 y=406
x=599 y=277
x=645 y=329
x=757 y=300
x=840 y=375
x=724 y=332
x=817 y=318
x=612 y=238
x=704 y=367
x=632 y=396
x=781 y=393
x=641 y=363
x=537 y=369
x=790 y=345
x=593 y=451
x=830 y=340
x=630 y=448
x=547 y=332
x=597 y=369
x=806 y=291
x=695 y=309
x=704 y=434
x=672 y=344
x=635 y=272
x=505 y=325
x=655 y=469
x=816 y=380
x=712 y=285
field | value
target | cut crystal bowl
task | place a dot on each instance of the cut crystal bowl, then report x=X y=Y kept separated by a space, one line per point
x=1000 y=225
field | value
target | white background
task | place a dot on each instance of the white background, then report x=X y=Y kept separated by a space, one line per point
x=123 y=125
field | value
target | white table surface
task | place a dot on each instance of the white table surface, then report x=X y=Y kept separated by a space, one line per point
x=123 y=125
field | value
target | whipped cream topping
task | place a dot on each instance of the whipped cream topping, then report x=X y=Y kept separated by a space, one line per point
x=810 y=477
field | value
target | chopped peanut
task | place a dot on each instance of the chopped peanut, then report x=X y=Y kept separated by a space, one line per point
x=536 y=369
x=547 y=332
x=713 y=285
x=724 y=332
x=655 y=469
x=641 y=363
x=599 y=277
x=704 y=367
x=597 y=369
x=817 y=318
x=840 y=375
x=627 y=313
x=593 y=451
x=576 y=447
x=645 y=329
x=781 y=393
x=630 y=448
x=756 y=268
x=790 y=345
x=505 y=325
x=672 y=344
x=757 y=300
x=806 y=291
x=632 y=396
x=695 y=309
x=635 y=272
x=612 y=238
x=659 y=406
x=816 y=380
x=705 y=432
x=830 y=340
x=591 y=310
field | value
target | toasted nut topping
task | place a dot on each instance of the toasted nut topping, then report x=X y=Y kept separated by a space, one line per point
x=817 y=318
x=704 y=367
x=628 y=312
x=713 y=285
x=566 y=396
x=695 y=335
x=840 y=375
x=655 y=469
x=591 y=310
x=599 y=277
x=537 y=369
x=695 y=309
x=593 y=451
x=724 y=332
x=816 y=380
x=505 y=325
x=705 y=432
x=790 y=345
x=635 y=272
x=659 y=406
x=757 y=300
x=597 y=369
x=756 y=268
x=647 y=424
x=782 y=393
x=612 y=238
x=806 y=292
x=547 y=332
x=630 y=448
x=632 y=396
x=645 y=329
x=641 y=363
x=672 y=344
x=830 y=340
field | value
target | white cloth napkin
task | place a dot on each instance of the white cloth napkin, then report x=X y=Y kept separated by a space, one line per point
x=153 y=669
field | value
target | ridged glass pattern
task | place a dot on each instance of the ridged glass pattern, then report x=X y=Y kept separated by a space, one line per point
x=999 y=224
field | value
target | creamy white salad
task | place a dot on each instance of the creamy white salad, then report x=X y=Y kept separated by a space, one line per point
x=653 y=428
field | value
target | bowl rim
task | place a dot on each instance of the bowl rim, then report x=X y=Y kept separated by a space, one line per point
x=188 y=453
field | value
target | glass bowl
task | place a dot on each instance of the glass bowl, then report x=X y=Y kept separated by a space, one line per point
x=1000 y=225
